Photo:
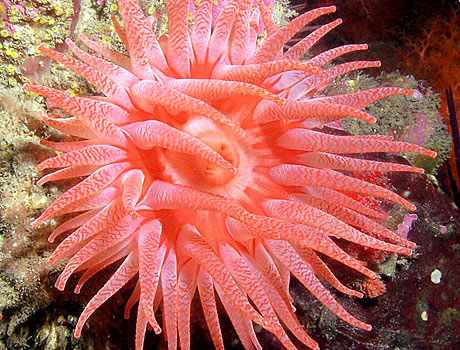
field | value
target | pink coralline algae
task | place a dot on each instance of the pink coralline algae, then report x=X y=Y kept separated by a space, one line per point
x=207 y=169
x=406 y=225
x=422 y=130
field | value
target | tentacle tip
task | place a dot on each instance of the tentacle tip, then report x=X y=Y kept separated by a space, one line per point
x=416 y=95
x=41 y=181
x=27 y=87
x=43 y=49
x=406 y=251
x=59 y=285
x=156 y=328
x=77 y=333
x=371 y=274
x=419 y=171
x=37 y=223
x=367 y=327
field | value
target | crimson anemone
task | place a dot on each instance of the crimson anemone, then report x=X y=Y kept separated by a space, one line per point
x=207 y=168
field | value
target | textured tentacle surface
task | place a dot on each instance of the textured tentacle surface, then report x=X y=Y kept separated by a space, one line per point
x=313 y=141
x=299 y=49
x=272 y=45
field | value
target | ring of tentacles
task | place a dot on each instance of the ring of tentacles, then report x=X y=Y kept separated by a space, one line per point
x=209 y=168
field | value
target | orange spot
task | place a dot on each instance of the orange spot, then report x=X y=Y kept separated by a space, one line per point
x=374 y=288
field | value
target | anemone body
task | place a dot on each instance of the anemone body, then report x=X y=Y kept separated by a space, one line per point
x=207 y=169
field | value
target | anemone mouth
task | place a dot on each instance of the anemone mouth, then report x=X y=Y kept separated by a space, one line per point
x=199 y=173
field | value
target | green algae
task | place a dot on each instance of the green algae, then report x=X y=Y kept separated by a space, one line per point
x=24 y=251
x=414 y=120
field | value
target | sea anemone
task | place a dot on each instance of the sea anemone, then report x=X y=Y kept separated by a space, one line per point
x=209 y=166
